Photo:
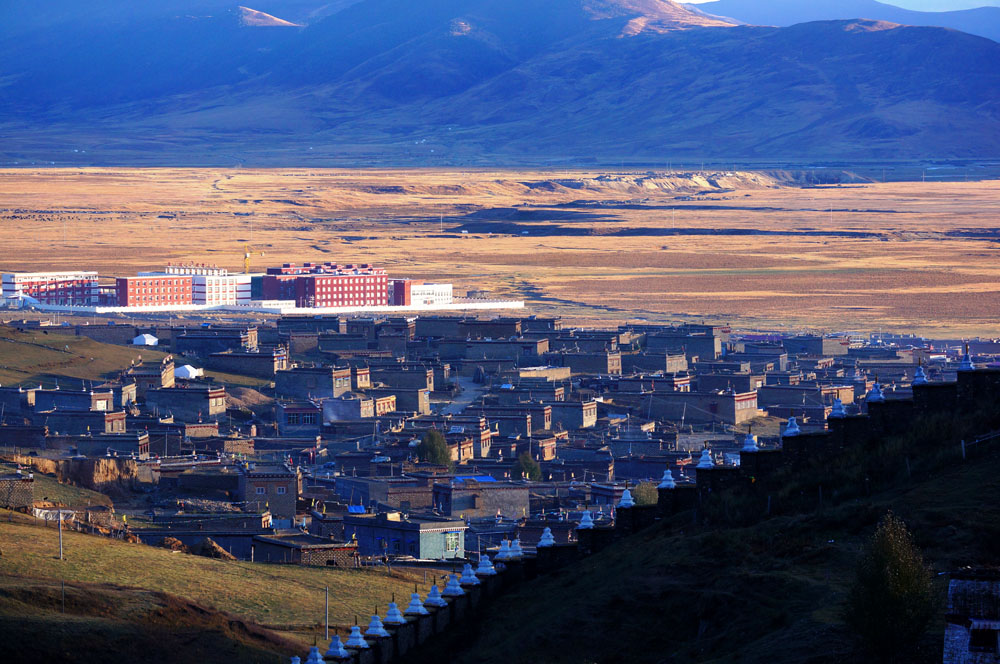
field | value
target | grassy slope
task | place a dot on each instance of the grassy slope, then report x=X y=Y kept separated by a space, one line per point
x=37 y=356
x=47 y=487
x=268 y=594
x=769 y=593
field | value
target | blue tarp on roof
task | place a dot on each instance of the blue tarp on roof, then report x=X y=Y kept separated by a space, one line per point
x=478 y=478
x=355 y=509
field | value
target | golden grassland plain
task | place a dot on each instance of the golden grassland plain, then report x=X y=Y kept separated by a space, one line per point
x=753 y=249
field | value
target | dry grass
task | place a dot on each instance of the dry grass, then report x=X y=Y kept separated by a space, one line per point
x=46 y=356
x=920 y=256
x=268 y=594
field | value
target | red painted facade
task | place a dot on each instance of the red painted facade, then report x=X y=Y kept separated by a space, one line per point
x=153 y=290
x=399 y=292
x=58 y=288
x=327 y=285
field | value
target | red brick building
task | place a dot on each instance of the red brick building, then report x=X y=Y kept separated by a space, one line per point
x=327 y=285
x=154 y=290
x=59 y=288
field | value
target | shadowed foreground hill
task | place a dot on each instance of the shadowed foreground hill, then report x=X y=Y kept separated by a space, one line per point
x=769 y=593
x=476 y=81
x=104 y=623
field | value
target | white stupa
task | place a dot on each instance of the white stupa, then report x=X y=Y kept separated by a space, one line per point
x=393 y=616
x=516 y=552
x=706 y=461
x=920 y=376
x=416 y=607
x=547 y=539
x=296 y=660
x=336 y=650
x=876 y=393
x=750 y=443
x=314 y=656
x=504 y=552
x=966 y=364
x=468 y=576
x=838 y=409
x=667 y=482
x=586 y=521
x=355 y=640
x=627 y=500
x=434 y=599
x=485 y=567
x=792 y=428
x=454 y=588
x=376 y=628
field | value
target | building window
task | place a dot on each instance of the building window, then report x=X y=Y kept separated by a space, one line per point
x=451 y=541
x=281 y=490
x=261 y=490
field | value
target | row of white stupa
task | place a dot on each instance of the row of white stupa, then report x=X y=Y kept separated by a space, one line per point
x=838 y=411
x=393 y=617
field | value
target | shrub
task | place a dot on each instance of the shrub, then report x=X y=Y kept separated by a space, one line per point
x=892 y=599
x=527 y=468
x=645 y=493
x=433 y=448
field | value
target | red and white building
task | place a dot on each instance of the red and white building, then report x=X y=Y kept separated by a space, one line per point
x=154 y=290
x=58 y=288
x=315 y=285
x=212 y=285
x=407 y=292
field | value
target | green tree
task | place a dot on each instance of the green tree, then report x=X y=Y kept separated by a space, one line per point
x=527 y=468
x=892 y=599
x=433 y=448
x=645 y=493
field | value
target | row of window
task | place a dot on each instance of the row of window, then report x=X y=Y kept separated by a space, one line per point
x=170 y=289
x=300 y=418
x=280 y=490
x=160 y=282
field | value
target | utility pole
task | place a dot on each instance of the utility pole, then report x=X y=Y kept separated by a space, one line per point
x=326 y=605
x=59 y=517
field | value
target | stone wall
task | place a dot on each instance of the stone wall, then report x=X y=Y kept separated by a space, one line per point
x=17 y=493
x=106 y=475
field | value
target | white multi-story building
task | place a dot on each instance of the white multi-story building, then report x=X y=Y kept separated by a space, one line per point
x=430 y=294
x=59 y=288
x=407 y=292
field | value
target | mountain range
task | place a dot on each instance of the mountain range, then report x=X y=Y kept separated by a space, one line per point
x=481 y=82
x=982 y=21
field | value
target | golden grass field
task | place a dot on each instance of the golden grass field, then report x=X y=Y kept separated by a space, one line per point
x=596 y=248
x=281 y=595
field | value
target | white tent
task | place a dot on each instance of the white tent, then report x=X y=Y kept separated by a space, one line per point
x=145 y=340
x=188 y=372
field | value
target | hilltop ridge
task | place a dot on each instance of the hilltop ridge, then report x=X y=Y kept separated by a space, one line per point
x=481 y=82
x=253 y=18
x=983 y=21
